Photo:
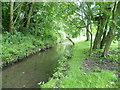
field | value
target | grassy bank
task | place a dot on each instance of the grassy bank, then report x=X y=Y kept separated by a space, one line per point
x=76 y=77
x=19 y=45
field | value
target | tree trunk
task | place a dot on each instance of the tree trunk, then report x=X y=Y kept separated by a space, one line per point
x=104 y=35
x=109 y=39
x=87 y=34
x=29 y=15
x=25 y=14
x=90 y=32
x=91 y=44
x=98 y=36
x=110 y=35
x=103 y=40
x=11 y=25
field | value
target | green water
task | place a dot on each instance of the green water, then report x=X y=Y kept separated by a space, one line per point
x=29 y=72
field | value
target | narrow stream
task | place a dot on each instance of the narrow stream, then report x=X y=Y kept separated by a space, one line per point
x=29 y=72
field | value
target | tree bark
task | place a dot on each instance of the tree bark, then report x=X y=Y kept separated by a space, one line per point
x=18 y=14
x=100 y=30
x=11 y=25
x=110 y=35
x=104 y=35
x=109 y=39
x=90 y=32
x=98 y=36
x=25 y=19
x=29 y=15
x=103 y=40
x=87 y=34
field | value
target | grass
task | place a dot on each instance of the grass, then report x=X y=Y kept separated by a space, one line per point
x=77 y=78
x=20 y=45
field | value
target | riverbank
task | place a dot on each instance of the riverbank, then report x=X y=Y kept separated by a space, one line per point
x=75 y=75
x=19 y=46
x=39 y=67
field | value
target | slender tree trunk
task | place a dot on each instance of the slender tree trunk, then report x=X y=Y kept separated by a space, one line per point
x=87 y=34
x=11 y=25
x=25 y=14
x=29 y=15
x=18 y=14
x=91 y=40
x=91 y=43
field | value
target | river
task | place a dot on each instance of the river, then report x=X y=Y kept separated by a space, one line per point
x=34 y=69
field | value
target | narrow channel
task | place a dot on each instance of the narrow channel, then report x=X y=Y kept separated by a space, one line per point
x=29 y=72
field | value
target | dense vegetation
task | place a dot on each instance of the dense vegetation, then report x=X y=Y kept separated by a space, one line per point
x=28 y=27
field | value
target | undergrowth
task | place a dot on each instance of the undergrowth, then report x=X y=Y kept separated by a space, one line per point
x=17 y=45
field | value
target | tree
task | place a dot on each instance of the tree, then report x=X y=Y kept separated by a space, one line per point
x=29 y=15
x=11 y=26
x=87 y=20
x=102 y=19
x=110 y=35
x=104 y=36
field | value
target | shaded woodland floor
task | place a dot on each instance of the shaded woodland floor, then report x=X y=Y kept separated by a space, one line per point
x=96 y=64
